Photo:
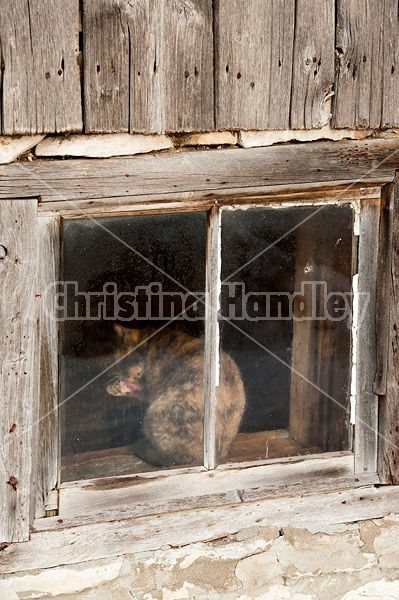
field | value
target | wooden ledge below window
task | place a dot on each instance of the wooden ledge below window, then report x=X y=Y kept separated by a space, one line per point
x=110 y=517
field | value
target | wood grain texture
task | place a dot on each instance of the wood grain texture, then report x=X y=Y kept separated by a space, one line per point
x=384 y=288
x=366 y=427
x=106 y=66
x=388 y=446
x=367 y=78
x=313 y=63
x=174 y=56
x=203 y=175
x=18 y=367
x=111 y=498
x=359 y=43
x=253 y=63
x=211 y=351
x=201 y=200
x=41 y=79
x=390 y=67
x=148 y=65
x=47 y=274
x=91 y=542
x=1 y=86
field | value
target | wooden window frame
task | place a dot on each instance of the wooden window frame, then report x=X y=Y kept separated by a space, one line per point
x=55 y=189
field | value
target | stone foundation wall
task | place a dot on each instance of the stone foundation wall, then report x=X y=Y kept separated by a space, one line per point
x=344 y=562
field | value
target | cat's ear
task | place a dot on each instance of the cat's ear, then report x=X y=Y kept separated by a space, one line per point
x=129 y=337
x=119 y=331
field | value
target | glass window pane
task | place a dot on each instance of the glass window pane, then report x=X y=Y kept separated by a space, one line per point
x=131 y=376
x=286 y=322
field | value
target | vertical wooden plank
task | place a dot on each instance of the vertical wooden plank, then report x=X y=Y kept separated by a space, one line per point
x=384 y=288
x=388 y=443
x=106 y=65
x=390 y=105
x=319 y=406
x=313 y=63
x=359 y=75
x=211 y=355
x=186 y=62
x=366 y=426
x=147 y=69
x=171 y=65
x=18 y=366
x=254 y=43
x=1 y=88
x=41 y=78
x=47 y=276
x=367 y=78
x=148 y=65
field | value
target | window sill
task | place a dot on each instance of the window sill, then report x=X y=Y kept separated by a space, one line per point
x=110 y=517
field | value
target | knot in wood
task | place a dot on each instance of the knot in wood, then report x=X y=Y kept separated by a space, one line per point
x=13 y=482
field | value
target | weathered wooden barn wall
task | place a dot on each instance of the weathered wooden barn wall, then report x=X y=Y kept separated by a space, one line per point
x=192 y=65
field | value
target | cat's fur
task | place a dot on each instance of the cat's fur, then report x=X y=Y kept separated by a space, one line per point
x=165 y=375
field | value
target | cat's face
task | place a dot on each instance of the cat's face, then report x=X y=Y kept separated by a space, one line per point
x=128 y=380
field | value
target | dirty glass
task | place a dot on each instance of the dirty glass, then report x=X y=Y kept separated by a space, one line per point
x=132 y=343
x=286 y=326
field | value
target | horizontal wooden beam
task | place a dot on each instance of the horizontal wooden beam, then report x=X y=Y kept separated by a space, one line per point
x=123 y=498
x=202 y=175
x=83 y=543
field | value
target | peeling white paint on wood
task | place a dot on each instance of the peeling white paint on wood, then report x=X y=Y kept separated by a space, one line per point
x=102 y=146
x=13 y=146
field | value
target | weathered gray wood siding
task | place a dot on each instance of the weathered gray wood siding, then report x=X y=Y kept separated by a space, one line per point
x=40 y=82
x=19 y=368
x=386 y=385
x=192 y=65
x=367 y=44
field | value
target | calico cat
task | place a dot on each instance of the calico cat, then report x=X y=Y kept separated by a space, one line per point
x=165 y=375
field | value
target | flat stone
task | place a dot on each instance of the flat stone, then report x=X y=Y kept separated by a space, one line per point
x=102 y=145
x=254 y=139
x=259 y=571
x=386 y=546
x=312 y=554
x=13 y=146
x=368 y=532
x=67 y=580
x=216 y=138
x=333 y=585
x=375 y=590
x=266 y=533
x=282 y=592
